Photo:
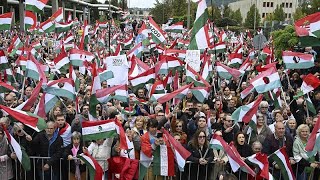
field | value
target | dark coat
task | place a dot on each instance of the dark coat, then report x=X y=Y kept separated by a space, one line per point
x=43 y=148
x=198 y=171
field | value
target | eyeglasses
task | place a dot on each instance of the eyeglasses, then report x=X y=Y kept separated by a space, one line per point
x=201 y=137
x=178 y=126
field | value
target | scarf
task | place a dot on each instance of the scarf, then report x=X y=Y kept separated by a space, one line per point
x=77 y=173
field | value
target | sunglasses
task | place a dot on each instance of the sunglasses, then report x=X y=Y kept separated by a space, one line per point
x=178 y=126
x=201 y=137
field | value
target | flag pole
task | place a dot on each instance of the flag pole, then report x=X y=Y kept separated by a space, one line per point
x=23 y=84
x=307 y=106
x=284 y=97
x=241 y=80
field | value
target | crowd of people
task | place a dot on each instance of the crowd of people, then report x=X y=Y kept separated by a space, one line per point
x=190 y=122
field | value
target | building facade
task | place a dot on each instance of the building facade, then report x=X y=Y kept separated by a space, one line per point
x=266 y=7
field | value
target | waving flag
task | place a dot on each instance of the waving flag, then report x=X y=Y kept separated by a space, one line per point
x=200 y=93
x=261 y=160
x=308 y=26
x=28 y=119
x=195 y=77
x=14 y=45
x=4 y=87
x=106 y=94
x=282 y=160
x=142 y=79
x=30 y=20
x=62 y=88
x=4 y=64
x=63 y=27
x=47 y=26
x=33 y=69
x=36 y=5
x=296 y=60
x=29 y=103
x=246 y=112
x=137 y=67
x=62 y=61
x=176 y=28
x=77 y=57
x=200 y=31
x=158 y=36
x=5 y=21
x=227 y=72
x=217 y=48
x=235 y=160
x=180 y=94
x=235 y=60
x=266 y=81
x=20 y=152
x=310 y=82
x=95 y=170
x=313 y=144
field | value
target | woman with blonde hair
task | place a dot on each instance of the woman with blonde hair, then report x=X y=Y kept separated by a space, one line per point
x=140 y=125
x=304 y=162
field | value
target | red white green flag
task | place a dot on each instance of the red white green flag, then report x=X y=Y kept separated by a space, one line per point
x=296 y=60
x=282 y=160
x=308 y=26
x=226 y=72
x=36 y=5
x=95 y=170
x=5 y=21
x=61 y=88
x=30 y=20
x=313 y=144
x=20 y=152
x=158 y=36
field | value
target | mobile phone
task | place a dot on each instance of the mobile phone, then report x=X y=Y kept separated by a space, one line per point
x=159 y=135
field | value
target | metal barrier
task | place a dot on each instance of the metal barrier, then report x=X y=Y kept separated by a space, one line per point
x=193 y=171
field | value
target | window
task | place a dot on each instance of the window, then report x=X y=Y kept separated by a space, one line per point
x=271 y=4
x=286 y=15
x=264 y=4
x=290 y=5
x=268 y=4
x=282 y=5
x=287 y=5
x=263 y=15
x=289 y=16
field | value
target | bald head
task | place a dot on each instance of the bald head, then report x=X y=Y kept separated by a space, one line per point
x=279 y=129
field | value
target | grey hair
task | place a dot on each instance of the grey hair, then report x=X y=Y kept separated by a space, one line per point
x=76 y=135
x=263 y=103
x=256 y=143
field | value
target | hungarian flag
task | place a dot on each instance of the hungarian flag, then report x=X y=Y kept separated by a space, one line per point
x=105 y=74
x=4 y=87
x=142 y=35
x=57 y=16
x=266 y=81
x=235 y=60
x=20 y=152
x=161 y=67
x=36 y=5
x=85 y=36
x=175 y=28
x=121 y=93
x=102 y=25
x=63 y=27
x=4 y=64
x=74 y=77
x=29 y=103
x=136 y=50
x=180 y=53
x=308 y=26
x=5 y=21
x=156 y=88
x=106 y=94
x=158 y=36
x=262 y=161
x=47 y=26
x=195 y=77
x=28 y=119
x=282 y=160
x=137 y=67
x=180 y=94
x=200 y=31
x=142 y=79
x=235 y=160
x=217 y=48
x=310 y=105
x=310 y=82
x=246 y=112
x=14 y=45
x=94 y=130
x=68 y=39
x=96 y=84
x=30 y=20
x=127 y=42
x=246 y=65
x=174 y=63
x=95 y=170
x=181 y=154
x=36 y=45
x=313 y=144
x=226 y=72
x=296 y=60
x=200 y=93
x=33 y=69
x=77 y=57
x=61 y=88
x=62 y=61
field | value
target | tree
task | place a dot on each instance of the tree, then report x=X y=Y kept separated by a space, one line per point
x=249 y=22
x=236 y=16
x=299 y=14
x=279 y=14
x=284 y=39
x=123 y=4
x=179 y=8
x=161 y=12
x=216 y=13
x=114 y=2
x=227 y=12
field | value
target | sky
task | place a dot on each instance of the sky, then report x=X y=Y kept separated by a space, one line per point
x=138 y=3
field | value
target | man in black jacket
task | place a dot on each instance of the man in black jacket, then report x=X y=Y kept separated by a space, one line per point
x=48 y=144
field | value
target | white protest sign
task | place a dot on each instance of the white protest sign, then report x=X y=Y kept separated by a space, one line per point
x=119 y=66
x=193 y=59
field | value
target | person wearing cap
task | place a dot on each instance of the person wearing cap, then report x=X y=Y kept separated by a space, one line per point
x=202 y=124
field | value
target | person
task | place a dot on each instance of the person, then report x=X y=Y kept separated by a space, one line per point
x=256 y=147
x=304 y=162
x=229 y=130
x=48 y=143
x=260 y=132
x=151 y=142
x=201 y=156
x=101 y=151
x=275 y=141
x=76 y=168
x=64 y=129
x=140 y=125
x=6 y=171
x=263 y=109
x=291 y=126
